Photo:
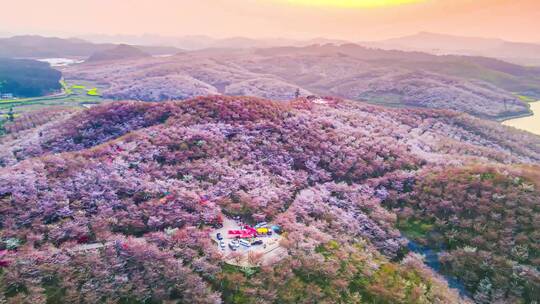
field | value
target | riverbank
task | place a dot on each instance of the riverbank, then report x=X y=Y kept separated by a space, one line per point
x=512 y=117
x=530 y=123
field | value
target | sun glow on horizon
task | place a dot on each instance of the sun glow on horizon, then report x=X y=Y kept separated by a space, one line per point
x=352 y=3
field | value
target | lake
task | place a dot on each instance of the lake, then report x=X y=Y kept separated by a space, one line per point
x=60 y=62
x=530 y=123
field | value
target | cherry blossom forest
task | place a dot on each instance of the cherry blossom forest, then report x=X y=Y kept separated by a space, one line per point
x=361 y=192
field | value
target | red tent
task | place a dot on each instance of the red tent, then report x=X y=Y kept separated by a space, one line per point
x=244 y=234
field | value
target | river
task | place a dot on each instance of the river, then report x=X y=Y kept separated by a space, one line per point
x=432 y=260
x=529 y=123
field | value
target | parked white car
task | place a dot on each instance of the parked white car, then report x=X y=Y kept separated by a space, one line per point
x=234 y=243
x=259 y=225
x=245 y=243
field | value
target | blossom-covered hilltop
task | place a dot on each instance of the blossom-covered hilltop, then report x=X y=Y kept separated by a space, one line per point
x=340 y=178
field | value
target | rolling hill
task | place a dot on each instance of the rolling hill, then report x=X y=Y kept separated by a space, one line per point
x=349 y=183
x=480 y=86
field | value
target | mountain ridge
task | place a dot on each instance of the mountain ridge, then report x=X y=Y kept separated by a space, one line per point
x=121 y=52
x=35 y=46
x=199 y=42
x=516 y=52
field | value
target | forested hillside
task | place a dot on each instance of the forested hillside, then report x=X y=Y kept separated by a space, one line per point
x=348 y=182
x=28 y=78
x=485 y=219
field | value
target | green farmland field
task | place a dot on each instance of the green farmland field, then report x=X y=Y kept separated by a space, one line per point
x=75 y=93
x=93 y=92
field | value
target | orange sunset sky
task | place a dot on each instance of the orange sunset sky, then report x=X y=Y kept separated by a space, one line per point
x=357 y=20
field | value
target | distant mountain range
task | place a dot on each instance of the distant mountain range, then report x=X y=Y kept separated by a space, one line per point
x=198 y=42
x=441 y=44
x=49 y=47
x=438 y=44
